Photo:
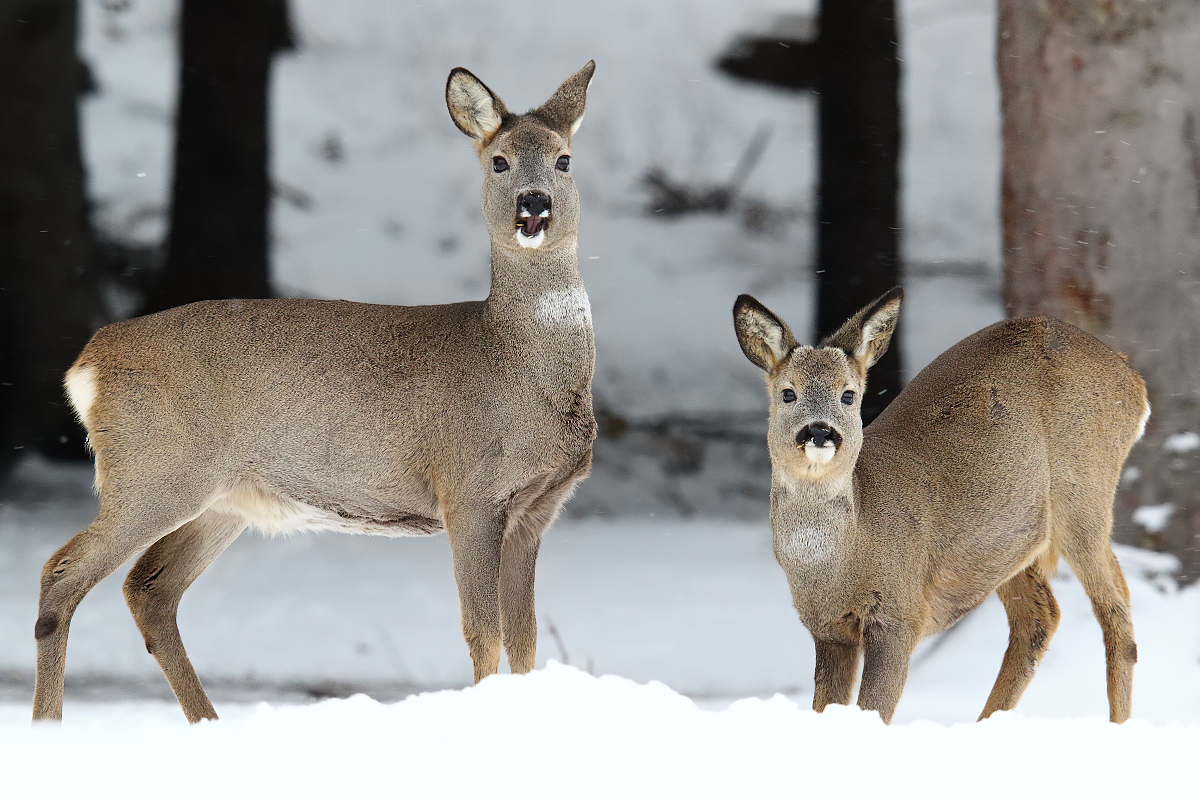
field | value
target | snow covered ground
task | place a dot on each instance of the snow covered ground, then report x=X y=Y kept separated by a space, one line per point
x=562 y=733
x=699 y=607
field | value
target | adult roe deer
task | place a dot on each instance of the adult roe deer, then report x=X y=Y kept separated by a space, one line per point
x=474 y=418
x=1000 y=456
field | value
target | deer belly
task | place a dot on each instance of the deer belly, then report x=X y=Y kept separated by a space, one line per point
x=274 y=513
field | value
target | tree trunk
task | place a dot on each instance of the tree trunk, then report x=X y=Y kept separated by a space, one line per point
x=217 y=246
x=49 y=299
x=858 y=78
x=1101 y=216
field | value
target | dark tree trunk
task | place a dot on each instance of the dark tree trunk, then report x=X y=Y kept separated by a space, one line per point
x=49 y=299
x=858 y=259
x=1101 y=214
x=854 y=68
x=217 y=246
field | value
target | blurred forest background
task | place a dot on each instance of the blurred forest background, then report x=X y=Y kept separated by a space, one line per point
x=992 y=156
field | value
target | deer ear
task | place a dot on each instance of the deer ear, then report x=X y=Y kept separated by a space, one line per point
x=474 y=108
x=764 y=337
x=564 y=110
x=866 y=335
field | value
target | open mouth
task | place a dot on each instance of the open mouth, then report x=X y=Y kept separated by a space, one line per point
x=531 y=228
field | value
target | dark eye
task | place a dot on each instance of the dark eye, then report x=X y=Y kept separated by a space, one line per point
x=848 y=397
x=499 y=164
x=789 y=396
x=563 y=164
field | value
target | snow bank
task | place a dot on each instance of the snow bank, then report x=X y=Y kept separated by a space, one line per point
x=562 y=732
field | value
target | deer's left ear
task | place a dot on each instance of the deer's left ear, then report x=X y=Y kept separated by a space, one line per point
x=475 y=108
x=765 y=338
x=866 y=335
x=564 y=110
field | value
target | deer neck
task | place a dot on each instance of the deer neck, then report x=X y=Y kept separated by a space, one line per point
x=813 y=521
x=539 y=305
x=543 y=288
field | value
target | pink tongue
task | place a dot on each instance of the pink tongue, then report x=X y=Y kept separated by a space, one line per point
x=532 y=225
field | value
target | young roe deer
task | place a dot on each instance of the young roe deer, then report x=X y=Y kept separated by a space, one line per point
x=1000 y=456
x=474 y=418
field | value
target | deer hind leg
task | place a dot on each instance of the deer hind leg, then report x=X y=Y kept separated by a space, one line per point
x=1085 y=546
x=1032 y=619
x=837 y=666
x=123 y=526
x=153 y=590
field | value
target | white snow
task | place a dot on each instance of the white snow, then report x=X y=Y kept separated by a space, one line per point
x=562 y=733
x=1184 y=442
x=1153 y=518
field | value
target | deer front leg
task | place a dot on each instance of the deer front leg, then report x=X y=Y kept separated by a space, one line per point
x=475 y=544
x=887 y=649
x=837 y=663
x=518 y=561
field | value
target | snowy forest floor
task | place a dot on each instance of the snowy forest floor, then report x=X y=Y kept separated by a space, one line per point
x=698 y=605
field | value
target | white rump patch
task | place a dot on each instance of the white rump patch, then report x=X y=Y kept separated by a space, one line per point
x=1154 y=518
x=805 y=545
x=531 y=241
x=1142 y=425
x=820 y=455
x=1184 y=442
x=82 y=391
x=568 y=308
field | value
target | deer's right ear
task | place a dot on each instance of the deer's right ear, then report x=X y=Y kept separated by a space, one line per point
x=564 y=110
x=764 y=337
x=474 y=108
x=865 y=336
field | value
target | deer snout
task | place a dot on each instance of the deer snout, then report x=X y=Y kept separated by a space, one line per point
x=819 y=441
x=533 y=204
x=533 y=217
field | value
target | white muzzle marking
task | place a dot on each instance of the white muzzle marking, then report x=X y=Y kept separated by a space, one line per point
x=566 y=308
x=819 y=455
x=534 y=241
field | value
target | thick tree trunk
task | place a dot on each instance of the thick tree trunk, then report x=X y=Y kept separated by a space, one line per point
x=220 y=200
x=1101 y=215
x=858 y=78
x=49 y=300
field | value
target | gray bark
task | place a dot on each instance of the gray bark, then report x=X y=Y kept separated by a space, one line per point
x=1101 y=213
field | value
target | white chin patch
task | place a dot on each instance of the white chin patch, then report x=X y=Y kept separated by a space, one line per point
x=531 y=241
x=819 y=455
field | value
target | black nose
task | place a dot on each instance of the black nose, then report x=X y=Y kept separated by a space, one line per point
x=818 y=433
x=535 y=204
